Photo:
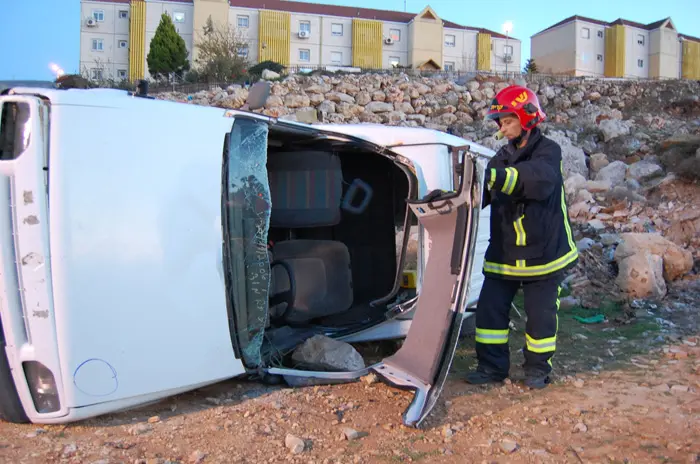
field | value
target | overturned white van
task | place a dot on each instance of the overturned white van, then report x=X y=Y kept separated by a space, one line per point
x=151 y=247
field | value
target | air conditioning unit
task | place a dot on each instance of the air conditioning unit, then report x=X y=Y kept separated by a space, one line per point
x=388 y=41
x=304 y=34
x=90 y=22
x=508 y=58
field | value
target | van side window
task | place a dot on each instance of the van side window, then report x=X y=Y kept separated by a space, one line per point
x=14 y=129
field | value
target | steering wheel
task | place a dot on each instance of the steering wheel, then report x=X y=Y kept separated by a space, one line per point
x=287 y=296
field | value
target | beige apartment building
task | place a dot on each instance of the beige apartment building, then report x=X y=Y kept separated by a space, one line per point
x=582 y=46
x=115 y=36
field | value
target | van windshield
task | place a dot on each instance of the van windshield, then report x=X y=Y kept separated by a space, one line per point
x=246 y=224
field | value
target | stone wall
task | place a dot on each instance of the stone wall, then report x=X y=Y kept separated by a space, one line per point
x=611 y=133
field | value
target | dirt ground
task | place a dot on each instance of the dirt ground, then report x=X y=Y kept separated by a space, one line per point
x=626 y=390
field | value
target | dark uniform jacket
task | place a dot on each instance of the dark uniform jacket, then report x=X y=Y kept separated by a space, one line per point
x=531 y=234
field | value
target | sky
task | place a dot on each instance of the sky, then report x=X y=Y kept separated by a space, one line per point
x=35 y=33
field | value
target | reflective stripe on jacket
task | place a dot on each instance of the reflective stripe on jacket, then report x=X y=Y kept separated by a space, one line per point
x=531 y=234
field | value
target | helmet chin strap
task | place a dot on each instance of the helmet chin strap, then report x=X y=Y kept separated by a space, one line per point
x=523 y=136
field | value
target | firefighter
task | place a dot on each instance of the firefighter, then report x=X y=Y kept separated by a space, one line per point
x=531 y=245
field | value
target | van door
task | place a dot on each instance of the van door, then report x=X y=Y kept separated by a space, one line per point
x=423 y=361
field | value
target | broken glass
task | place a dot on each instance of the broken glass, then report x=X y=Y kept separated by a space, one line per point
x=248 y=209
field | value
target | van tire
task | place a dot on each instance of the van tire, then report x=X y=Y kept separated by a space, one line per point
x=11 y=409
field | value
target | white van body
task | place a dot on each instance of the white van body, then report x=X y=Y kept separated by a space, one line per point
x=112 y=286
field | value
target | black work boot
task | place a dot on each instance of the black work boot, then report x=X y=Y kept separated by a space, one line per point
x=537 y=380
x=483 y=376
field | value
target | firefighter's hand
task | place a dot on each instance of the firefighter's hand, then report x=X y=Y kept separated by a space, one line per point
x=487 y=179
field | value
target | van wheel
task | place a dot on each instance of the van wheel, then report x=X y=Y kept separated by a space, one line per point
x=10 y=407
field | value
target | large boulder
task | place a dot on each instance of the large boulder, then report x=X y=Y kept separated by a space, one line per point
x=681 y=155
x=646 y=261
x=326 y=354
x=641 y=276
x=644 y=170
x=613 y=128
x=573 y=157
x=614 y=173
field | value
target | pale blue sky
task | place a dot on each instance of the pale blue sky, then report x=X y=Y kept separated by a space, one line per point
x=34 y=33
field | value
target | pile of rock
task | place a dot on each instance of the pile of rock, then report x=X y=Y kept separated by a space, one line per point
x=611 y=133
x=614 y=117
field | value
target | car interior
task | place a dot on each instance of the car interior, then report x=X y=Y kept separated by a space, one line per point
x=335 y=263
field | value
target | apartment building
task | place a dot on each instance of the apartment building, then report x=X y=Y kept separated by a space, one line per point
x=582 y=46
x=115 y=36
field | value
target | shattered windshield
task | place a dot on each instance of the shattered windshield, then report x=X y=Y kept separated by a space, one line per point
x=247 y=222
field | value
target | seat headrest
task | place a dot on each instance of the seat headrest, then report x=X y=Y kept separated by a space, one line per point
x=305 y=189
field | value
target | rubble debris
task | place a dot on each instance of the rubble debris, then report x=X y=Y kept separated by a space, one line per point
x=326 y=354
x=294 y=444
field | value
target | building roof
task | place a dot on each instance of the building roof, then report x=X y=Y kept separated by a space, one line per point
x=689 y=37
x=618 y=21
x=126 y=2
x=451 y=25
x=345 y=12
x=332 y=10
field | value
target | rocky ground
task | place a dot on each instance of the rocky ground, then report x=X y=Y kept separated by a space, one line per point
x=627 y=372
x=626 y=390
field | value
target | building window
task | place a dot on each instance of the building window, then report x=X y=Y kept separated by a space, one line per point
x=640 y=39
x=337 y=29
x=600 y=34
x=640 y=63
x=304 y=55
x=305 y=26
x=99 y=15
x=121 y=73
x=585 y=33
x=243 y=21
x=508 y=50
x=599 y=57
x=336 y=58
x=394 y=61
x=98 y=45
x=450 y=40
x=97 y=74
x=178 y=17
x=243 y=51
x=449 y=65
x=122 y=44
x=395 y=34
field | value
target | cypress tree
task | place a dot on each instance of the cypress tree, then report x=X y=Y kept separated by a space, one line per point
x=168 y=53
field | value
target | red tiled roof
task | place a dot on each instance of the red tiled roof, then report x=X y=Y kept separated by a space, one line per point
x=573 y=18
x=452 y=25
x=126 y=2
x=320 y=9
x=331 y=10
x=618 y=21
x=345 y=12
x=689 y=37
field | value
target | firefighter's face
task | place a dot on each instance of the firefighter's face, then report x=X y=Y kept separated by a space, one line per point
x=510 y=126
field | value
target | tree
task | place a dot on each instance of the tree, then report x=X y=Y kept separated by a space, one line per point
x=222 y=53
x=530 y=66
x=168 y=53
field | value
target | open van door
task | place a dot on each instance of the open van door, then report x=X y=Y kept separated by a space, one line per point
x=450 y=219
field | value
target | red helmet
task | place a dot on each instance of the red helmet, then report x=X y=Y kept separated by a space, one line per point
x=520 y=101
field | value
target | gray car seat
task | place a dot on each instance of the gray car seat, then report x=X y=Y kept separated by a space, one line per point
x=306 y=191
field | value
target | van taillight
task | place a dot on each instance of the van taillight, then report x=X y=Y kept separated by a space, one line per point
x=15 y=129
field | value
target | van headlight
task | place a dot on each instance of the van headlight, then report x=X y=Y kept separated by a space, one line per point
x=42 y=386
